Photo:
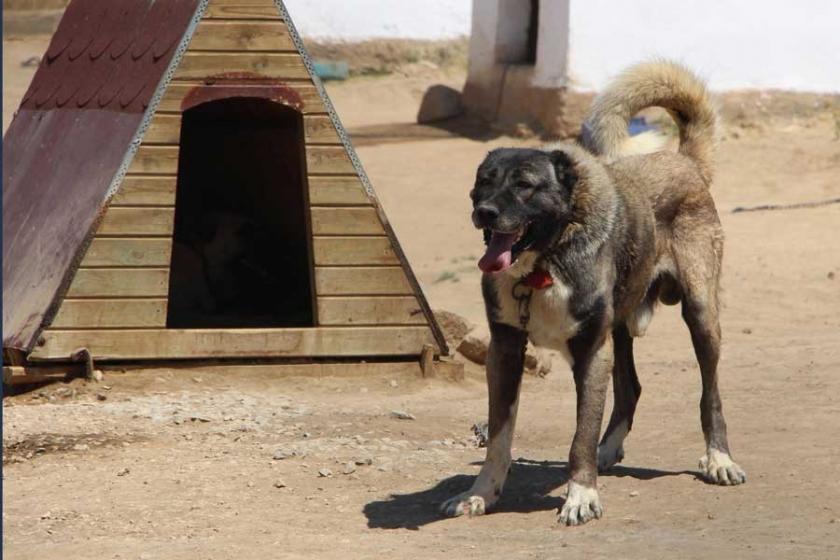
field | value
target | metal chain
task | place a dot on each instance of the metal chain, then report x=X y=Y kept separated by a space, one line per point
x=521 y=292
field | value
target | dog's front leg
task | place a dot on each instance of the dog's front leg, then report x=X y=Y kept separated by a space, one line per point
x=505 y=360
x=591 y=371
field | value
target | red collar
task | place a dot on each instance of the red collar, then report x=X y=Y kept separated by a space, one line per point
x=539 y=278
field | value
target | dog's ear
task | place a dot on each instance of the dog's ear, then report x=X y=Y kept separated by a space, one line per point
x=564 y=168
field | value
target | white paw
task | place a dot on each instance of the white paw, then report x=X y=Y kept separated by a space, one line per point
x=719 y=468
x=582 y=505
x=464 y=504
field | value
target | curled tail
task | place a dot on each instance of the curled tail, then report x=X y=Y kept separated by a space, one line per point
x=654 y=84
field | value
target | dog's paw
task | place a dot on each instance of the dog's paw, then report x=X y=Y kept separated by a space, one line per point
x=611 y=450
x=582 y=505
x=464 y=504
x=718 y=467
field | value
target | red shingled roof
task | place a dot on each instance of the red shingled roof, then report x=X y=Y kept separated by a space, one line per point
x=68 y=140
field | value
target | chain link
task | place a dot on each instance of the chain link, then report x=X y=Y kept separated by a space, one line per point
x=521 y=292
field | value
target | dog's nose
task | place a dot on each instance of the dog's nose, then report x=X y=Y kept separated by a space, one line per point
x=485 y=214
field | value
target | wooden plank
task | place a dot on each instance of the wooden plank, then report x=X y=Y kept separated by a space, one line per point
x=345 y=221
x=370 y=310
x=124 y=313
x=138 y=221
x=155 y=160
x=320 y=129
x=241 y=35
x=244 y=9
x=165 y=128
x=337 y=190
x=176 y=91
x=128 y=252
x=373 y=280
x=22 y=375
x=120 y=282
x=333 y=251
x=244 y=65
x=328 y=159
x=146 y=190
x=161 y=344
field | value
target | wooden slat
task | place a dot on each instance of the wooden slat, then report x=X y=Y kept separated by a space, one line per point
x=199 y=65
x=235 y=343
x=332 y=251
x=124 y=313
x=164 y=129
x=337 y=190
x=328 y=159
x=232 y=9
x=176 y=91
x=137 y=221
x=158 y=160
x=240 y=35
x=128 y=252
x=146 y=190
x=370 y=310
x=120 y=282
x=379 y=280
x=320 y=129
x=346 y=221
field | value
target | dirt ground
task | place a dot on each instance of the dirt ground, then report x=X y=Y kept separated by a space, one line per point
x=184 y=464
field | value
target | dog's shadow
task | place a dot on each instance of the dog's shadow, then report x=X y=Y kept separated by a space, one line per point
x=528 y=489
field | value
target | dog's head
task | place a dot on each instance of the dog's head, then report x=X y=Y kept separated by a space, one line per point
x=521 y=199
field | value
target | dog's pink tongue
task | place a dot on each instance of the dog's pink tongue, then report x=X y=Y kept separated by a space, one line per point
x=498 y=256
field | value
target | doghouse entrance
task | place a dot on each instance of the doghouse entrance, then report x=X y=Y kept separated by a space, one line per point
x=241 y=256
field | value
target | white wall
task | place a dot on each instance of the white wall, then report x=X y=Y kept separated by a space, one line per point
x=733 y=43
x=356 y=20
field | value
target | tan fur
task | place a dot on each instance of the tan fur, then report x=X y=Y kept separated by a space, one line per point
x=663 y=84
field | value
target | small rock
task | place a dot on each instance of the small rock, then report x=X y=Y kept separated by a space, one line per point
x=746 y=330
x=199 y=419
x=634 y=494
x=281 y=454
x=324 y=473
x=711 y=516
x=47 y=515
x=349 y=468
x=31 y=62
x=279 y=484
x=81 y=447
x=250 y=484
x=393 y=383
x=197 y=380
x=402 y=415
x=124 y=471
x=365 y=461
x=97 y=375
x=454 y=327
x=101 y=397
x=481 y=429
x=474 y=348
x=306 y=435
x=439 y=102
x=831 y=275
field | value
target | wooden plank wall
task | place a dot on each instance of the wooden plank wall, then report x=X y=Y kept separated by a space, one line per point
x=123 y=280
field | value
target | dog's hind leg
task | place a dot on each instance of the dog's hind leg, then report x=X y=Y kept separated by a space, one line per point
x=505 y=361
x=699 y=272
x=626 y=392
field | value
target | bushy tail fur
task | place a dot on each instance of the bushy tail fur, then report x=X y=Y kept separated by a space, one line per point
x=663 y=84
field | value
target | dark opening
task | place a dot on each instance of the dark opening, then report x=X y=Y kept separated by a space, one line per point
x=241 y=255
x=533 y=28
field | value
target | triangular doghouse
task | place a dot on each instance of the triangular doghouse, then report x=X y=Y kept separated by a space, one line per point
x=177 y=185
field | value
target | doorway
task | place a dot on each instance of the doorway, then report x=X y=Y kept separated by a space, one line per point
x=241 y=255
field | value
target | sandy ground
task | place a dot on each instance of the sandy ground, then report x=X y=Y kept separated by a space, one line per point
x=187 y=464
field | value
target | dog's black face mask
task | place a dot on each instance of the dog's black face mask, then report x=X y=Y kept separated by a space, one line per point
x=521 y=199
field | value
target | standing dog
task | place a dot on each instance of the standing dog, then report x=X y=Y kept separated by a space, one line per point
x=582 y=242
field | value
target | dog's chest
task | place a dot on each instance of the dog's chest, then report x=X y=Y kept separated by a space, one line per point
x=550 y=323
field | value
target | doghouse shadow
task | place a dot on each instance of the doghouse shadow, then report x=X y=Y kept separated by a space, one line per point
x=528 y=489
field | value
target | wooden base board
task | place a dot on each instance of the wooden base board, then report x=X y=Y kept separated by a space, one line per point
x=444 y=368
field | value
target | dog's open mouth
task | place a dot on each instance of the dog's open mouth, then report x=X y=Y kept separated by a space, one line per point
x=503 y=248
